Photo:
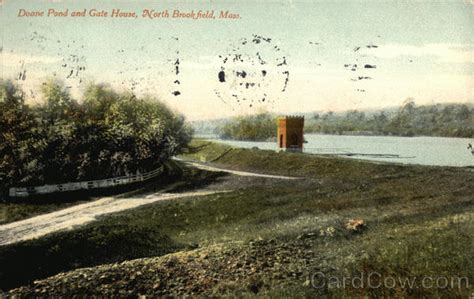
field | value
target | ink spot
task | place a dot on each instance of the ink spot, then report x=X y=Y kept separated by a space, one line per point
x=221 y=76
x=242 y=74
x=177 y=66
x=283 y=62
x=248 y=84
x=260 y=59
x=70 y=74
x=287 y=73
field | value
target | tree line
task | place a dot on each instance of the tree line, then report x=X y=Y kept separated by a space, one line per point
x=251 y=127
x=446 y=120
x=105 y=134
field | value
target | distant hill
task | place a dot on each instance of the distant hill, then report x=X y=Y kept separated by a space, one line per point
x=450 y=120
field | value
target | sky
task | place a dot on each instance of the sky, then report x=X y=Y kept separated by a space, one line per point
x=280 y=56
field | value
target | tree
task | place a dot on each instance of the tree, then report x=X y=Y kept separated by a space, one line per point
x=462 y=113
x=20 y=141
x=108 y=134
x=408 y=107
x=380 y=120
x=261 y=126
x=58 y=105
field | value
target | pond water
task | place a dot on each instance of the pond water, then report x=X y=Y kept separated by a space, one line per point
x=436 y=151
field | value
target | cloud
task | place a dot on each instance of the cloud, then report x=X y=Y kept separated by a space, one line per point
x=450 y=53
x=9 y=58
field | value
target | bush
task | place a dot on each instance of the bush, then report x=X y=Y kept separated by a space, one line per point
x=107 y=134
x=258 y=127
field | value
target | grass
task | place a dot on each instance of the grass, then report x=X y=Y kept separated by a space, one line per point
x=296 y=164
x=433 y=249
x=417 y=219
x=17 y=208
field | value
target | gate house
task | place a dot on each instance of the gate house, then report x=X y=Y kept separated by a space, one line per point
x=290 y=133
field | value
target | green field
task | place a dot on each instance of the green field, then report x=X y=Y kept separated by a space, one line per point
x=266 y=236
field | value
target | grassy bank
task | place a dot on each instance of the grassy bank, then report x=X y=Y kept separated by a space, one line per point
x=266 y=237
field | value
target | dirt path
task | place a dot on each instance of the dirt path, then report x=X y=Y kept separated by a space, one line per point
x=84 y=213
x=81 y=214
x=235 y=172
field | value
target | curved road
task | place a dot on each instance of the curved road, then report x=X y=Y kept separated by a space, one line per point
x=78 y=215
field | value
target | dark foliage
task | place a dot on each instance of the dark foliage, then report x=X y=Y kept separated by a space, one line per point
x=106 y=134
x=258 y=127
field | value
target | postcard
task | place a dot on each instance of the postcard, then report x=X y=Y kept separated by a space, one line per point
x=289 y=148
